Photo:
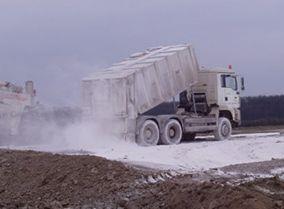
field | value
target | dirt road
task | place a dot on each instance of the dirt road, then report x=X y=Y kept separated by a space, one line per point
x=201 y=154
x=41 y=180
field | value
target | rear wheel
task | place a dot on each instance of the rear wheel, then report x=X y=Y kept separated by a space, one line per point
x=172 y=133
x=149 y=134
x=224 y=129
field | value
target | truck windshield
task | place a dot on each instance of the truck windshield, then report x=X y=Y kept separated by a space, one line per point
x=229 y=81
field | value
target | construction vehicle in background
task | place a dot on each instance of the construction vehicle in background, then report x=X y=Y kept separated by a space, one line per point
x=122 y=95
x=14 y=102
x=24 y=121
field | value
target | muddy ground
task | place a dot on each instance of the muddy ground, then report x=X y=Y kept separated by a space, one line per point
x=259 y=129
x=41 y=180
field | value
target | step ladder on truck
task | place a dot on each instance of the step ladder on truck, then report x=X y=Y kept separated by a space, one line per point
x=123 y=94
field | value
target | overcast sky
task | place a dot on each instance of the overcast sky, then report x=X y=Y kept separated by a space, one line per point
x=57 y=42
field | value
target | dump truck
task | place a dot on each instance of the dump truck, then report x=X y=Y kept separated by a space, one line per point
x=14 y=102
x=206 y=100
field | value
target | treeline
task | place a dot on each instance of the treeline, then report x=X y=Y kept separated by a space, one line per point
x=257 y=110
x=263 y=110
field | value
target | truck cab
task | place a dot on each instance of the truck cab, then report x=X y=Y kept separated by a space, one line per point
x=221 y=89
x=215 y=95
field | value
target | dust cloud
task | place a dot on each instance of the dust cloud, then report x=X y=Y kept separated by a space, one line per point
x=63 y=130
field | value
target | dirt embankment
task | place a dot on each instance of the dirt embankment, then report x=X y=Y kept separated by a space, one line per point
x=41 y=180
x=182 y=193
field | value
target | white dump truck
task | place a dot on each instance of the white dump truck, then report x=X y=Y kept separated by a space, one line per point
x=14 y=101
x=208 y=100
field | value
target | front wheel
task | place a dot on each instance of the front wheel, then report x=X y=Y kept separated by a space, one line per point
x=149 y=134
x=224 y=129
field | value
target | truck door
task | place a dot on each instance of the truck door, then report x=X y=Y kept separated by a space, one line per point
x=230 y=91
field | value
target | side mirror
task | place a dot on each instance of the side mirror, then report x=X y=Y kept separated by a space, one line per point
x=243 y=83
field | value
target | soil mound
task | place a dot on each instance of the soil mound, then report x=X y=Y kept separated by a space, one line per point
x=42 y=180
x=182 y=193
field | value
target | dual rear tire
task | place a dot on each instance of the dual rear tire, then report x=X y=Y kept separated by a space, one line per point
x=149 y=133
x=172 y=133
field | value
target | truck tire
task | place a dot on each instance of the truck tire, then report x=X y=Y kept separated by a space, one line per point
x=149 y=134
x=172 y=133
x=224 y=129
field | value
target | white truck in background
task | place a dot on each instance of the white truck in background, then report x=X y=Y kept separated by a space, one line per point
x=14 y=101
x=123 y=94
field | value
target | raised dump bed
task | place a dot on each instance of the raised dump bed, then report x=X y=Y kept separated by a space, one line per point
x=131 y=87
